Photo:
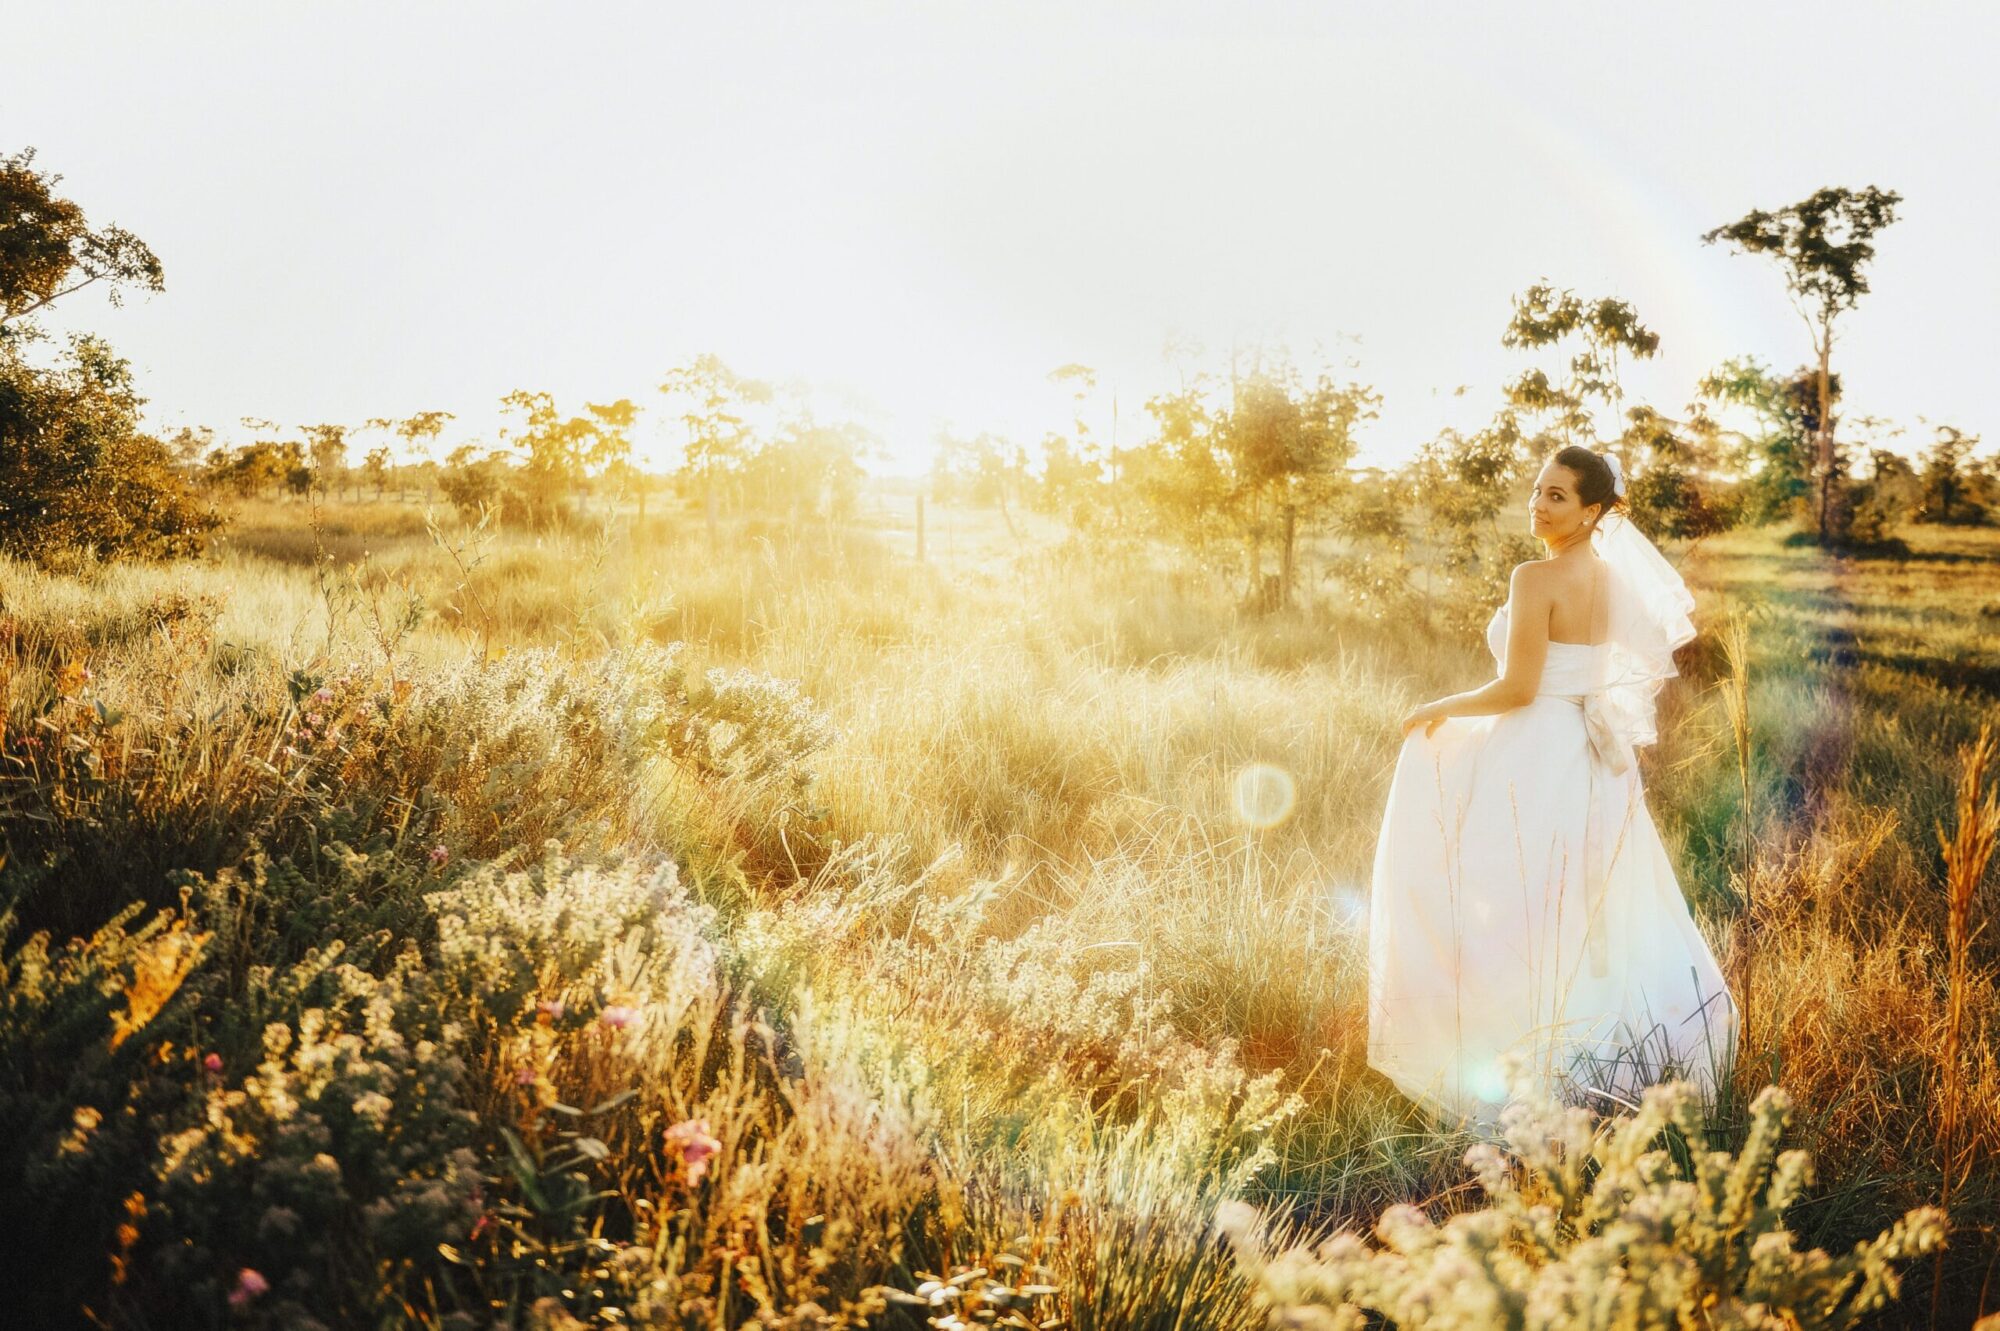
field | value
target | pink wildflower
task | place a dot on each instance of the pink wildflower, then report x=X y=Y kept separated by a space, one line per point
x=618 y=1016
x=249 y=1285
x=323 y=695
x=690 y=1138
x=552 y=1008
x=213 y=1063
x=439 y=855
x=525 y=1077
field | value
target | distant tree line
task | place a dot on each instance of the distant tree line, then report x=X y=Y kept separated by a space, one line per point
x=551 y=466
x=551 y=462
x=1234 y=473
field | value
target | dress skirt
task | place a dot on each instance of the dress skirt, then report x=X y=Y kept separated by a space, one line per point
x=1525 y=922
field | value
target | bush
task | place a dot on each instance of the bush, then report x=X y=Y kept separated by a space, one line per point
x=1625 y=1223
x=77 y=477
x=1667 y=502
x=333 y=1171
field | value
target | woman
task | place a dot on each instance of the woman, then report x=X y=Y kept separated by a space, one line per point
x=1525 y=919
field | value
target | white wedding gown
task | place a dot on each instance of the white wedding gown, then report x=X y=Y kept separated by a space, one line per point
x=1522 y=901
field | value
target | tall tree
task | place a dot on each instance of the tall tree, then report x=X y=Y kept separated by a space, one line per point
x=1775 y=454
x=1072 y=467
x=1181 y=475
x=1069 y=478
x=810 y=466
x=191 y=446
x=474 y=481
x=1822 y=242
x=1672 y=493
x=984 y=469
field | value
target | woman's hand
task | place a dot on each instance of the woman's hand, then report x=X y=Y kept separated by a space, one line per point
x=1428 y=716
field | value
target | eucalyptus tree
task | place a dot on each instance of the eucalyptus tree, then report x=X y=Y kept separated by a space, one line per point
x=418 y=431
x=1774 y=456
x=1077 y=468
x=986 y=469
x=1822 y=242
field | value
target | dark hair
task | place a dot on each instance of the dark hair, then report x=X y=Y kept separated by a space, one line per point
x=1594 y=482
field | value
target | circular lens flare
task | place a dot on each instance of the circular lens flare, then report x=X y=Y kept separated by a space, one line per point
x=1265 y=795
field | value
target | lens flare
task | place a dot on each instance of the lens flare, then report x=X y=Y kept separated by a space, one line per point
x=1265 y=795
x=1487 y=1081
x=1348 y=905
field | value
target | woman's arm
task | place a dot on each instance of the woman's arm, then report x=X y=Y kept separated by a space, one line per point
x=1528 y=604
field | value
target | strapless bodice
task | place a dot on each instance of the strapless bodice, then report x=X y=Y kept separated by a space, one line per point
x=1566 y=673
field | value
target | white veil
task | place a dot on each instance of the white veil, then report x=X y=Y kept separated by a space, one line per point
x=1648 y=618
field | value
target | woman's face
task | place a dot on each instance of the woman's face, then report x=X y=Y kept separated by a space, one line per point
x=1556 y=513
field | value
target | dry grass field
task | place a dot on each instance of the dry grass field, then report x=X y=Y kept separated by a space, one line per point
x=611 y=928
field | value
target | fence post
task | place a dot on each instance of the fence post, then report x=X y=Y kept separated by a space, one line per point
x=1285 y=586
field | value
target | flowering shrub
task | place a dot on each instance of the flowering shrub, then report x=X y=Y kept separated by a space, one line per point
x=556 y=931
x=1621 y=1224
x=747 y=726
x=664 y=1151
x=347 y=1152
x=181 y=760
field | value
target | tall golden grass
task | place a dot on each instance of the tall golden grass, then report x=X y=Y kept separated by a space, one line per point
x=1968 y=850
x=1019 y=898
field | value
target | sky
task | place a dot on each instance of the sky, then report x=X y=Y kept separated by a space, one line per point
x=909 y=214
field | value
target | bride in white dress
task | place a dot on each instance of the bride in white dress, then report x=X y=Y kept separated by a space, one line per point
x=1525 y=920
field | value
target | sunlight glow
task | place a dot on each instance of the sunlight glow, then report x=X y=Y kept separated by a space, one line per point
x=1265 y=795
x=873 y=216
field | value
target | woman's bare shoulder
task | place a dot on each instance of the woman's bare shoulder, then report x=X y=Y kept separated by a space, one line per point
x=1555 y=576
x=1532 y=575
